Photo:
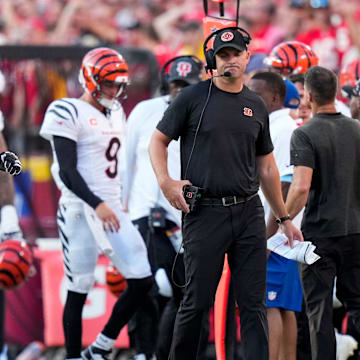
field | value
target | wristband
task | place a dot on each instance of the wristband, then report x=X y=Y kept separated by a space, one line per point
x=282 y=219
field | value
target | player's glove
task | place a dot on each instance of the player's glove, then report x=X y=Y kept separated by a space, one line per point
x=14 y=235
x=10 y=163
x=9 y=227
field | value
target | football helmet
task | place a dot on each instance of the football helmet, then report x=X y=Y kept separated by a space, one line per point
x=15 y=263
x=291 y=57
x=350 y=73
x=115 y=281
x=104 y=65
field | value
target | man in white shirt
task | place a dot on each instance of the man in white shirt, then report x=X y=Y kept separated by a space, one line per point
x=283 y=293
x=158 y=222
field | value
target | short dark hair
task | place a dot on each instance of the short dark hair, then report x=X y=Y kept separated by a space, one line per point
x=274 y=82
x=322 y=83
x=297 y=78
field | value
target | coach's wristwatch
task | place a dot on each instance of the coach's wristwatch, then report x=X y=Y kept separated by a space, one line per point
x=282 y=219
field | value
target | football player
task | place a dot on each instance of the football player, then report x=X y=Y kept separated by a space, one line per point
x=9 y=226
x=86 y=135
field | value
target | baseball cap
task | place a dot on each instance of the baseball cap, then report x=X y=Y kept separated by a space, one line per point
x=229 y=38
x=292 y=98
x=349 y=91
x=185 y=69
x=256 y=63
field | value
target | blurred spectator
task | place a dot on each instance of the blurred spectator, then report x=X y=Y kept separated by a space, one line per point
x=349 y=11
x=265 y=35
x=291 y=16
x=192 y=39
x=22 y=22
x=182 y=33
x=145 y=37
x=326 y=33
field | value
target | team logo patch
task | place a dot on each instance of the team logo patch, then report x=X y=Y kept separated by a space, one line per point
x=248 y=111
x=272 y=295
x=93 y=122
x=227 y=36
x=183 y=68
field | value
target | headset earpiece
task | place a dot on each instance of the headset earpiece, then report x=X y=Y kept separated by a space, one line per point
x=210 y=60
x=164 y=85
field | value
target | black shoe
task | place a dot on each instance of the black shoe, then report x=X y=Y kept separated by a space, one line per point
x=95 y=353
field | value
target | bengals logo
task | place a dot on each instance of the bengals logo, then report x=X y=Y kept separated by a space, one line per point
x=227 y=36
x=183 y=68
x=248 y=111
x=93 y=122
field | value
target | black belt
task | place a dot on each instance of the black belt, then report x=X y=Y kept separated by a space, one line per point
x=225 y=201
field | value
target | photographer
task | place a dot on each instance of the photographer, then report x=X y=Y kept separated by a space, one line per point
x=226 y=151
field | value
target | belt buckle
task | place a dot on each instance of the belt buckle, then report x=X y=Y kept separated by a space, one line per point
x=231 y=203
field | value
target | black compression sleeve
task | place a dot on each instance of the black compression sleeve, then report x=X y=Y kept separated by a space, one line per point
x=66 y=154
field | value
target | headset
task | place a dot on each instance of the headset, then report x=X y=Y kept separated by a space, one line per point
x=164 y=77
x=209 y=53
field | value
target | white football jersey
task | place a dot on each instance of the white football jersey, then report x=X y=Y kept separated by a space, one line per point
x=98 y=138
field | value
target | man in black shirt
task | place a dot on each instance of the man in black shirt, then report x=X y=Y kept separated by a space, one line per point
x=225 y=149
x=326 y=152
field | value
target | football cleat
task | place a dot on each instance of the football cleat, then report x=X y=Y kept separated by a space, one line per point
x=345 y=346
x=94 y=353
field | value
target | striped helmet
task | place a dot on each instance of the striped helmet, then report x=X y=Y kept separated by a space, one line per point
x=15 y=263
x=350 y=73
x=103 y=65
x=291 y=57
x=115 y=281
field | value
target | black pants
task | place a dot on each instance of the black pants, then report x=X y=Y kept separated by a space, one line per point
x=340 y=256
x=144 y=329
x=303 y=346
x=238 y=230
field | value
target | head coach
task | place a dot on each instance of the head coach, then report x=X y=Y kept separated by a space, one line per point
x=226 y=151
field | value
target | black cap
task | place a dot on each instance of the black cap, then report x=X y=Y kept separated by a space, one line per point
x=349 y=91
x=229 y=38
x=185 y=69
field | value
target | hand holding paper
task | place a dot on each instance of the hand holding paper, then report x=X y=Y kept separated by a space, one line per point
x=302 y=251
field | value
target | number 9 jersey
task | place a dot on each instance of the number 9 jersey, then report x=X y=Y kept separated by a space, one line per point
x=98 y=138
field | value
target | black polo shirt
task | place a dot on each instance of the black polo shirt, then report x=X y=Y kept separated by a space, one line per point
x=330 y=145
x=234 y=130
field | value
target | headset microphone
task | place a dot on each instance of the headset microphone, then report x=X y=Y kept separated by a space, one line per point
x=226 y=74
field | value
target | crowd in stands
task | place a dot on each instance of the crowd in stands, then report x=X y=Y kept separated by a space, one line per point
x=166 y=28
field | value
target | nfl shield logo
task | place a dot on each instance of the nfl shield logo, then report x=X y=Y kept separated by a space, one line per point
x=272 y=295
